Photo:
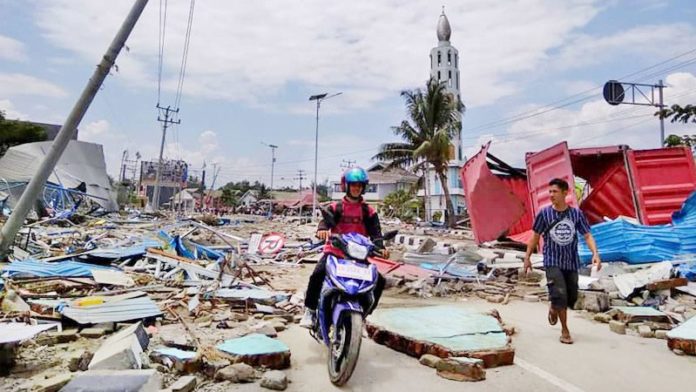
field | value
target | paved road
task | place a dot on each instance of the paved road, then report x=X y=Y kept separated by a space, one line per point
x=599 y=360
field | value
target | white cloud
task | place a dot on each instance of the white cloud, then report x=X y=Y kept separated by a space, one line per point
x=252 y=51
x=11 y=113
x=595 y=123
x=644 y=41
x=11 y=49
x=14 y=84
x=94 y=131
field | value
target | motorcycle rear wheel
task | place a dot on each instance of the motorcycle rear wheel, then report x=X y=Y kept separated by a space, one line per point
x=345 y=348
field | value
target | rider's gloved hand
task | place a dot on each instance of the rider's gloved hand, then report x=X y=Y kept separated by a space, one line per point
x=384 y=253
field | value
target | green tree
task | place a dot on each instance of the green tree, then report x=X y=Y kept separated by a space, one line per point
x=14 y=132
x=434 y=119
x=230 y=197
x=682 y=114
x=401 y=204
x=264 y=192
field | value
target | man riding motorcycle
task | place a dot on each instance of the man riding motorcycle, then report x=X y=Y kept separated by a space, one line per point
x=352 y=215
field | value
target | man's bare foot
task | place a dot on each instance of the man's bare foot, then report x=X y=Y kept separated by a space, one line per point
x=553 y=316
x=566 y=339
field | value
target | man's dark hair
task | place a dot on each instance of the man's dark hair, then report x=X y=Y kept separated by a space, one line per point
x=560 y=183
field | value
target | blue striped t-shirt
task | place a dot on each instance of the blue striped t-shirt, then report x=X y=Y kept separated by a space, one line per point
x=561 y=240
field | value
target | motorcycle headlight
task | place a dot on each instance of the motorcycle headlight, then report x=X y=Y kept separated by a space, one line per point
x=356 y=251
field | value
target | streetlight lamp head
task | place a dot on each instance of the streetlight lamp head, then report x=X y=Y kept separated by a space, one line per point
x=318 y=96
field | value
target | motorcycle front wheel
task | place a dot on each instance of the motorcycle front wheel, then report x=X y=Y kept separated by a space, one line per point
x=345 y=347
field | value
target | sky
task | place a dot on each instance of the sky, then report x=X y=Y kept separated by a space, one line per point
x=531 y=74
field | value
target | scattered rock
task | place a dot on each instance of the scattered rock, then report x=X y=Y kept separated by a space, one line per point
x=619 y=302
x=265 y=328
x=227 y=374
x=66 y=336
x=592 y=301
x=661 y=334
x=211 y=367
x=603 y=318
x=461 y=369
x=645 y=332
x=531 y=298
x=275 y=380
x=279 y=326
x=430 y=360
x=496 y=299
x=184 y=384
x=79 y=360
x=617 y=327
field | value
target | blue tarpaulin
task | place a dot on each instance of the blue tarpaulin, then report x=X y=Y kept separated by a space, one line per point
x=40 y=269
x=621 y=240
x=199 y=251
x=124 y=252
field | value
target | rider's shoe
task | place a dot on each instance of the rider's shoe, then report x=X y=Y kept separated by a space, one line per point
x=308 y=319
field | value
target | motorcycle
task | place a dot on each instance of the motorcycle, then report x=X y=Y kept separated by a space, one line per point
x=346 y=299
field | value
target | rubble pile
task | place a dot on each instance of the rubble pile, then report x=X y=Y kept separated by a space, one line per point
x=151 y=300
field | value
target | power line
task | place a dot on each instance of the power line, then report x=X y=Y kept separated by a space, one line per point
x=550 y=107
x=162 y=30
x=184 y=57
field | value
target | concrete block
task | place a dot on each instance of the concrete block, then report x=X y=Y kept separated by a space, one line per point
x=645 y=332
x=430 y=360
x=603 y=318
x=184 y=384
x=79 y=360
x=136 y=329
x=617 y=327
x=661 y=334
x=461 y=369
x=120 y=355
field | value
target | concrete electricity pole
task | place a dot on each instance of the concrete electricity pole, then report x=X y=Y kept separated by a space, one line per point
x=13 y=224
x=165 y=123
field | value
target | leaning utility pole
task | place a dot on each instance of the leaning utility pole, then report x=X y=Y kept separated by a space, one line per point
x=13 y=224
x=165 y=123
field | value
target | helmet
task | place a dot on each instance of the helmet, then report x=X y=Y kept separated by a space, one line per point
x=354 y=175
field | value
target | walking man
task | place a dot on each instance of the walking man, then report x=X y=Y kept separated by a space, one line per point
x=559 y=225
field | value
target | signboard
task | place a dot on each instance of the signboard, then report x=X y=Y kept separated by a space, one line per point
x=271 y=243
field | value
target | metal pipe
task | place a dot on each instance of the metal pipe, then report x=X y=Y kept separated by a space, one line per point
x=11 y=227
x=660 y=87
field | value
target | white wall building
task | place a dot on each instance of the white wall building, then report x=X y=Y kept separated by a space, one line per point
x=382 y=183
x=444 y=67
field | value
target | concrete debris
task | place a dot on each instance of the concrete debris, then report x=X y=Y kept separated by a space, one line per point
x=274 y=380
x=115 y=381
x=461 y=369
x=148 y=297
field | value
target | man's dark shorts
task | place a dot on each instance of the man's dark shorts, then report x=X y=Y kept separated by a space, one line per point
x=563 y=287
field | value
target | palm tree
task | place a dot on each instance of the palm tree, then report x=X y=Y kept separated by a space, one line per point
x=434 y=119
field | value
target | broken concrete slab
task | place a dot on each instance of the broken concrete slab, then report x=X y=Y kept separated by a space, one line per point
x=53 y=384
x=258 y=350
x=115 y=381
x=634 y=314
x=184 y=384
x=182 y=361
x=683 y=337
x=136 y=329
x=592 y=301
x=274 y=380
x=444 y=331
x=461 y=369
x=118 y=355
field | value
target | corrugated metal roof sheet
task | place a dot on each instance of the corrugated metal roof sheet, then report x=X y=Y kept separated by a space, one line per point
x=40 y=269
x=125 y=310
x=620 y=240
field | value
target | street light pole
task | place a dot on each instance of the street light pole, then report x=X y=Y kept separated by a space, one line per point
x=273 y=160
x=318 y=98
